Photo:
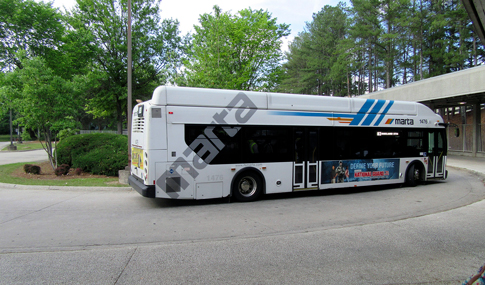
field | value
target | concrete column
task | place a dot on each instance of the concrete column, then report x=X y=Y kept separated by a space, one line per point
x=463 y=126
x=476 y=128
x=445 y=120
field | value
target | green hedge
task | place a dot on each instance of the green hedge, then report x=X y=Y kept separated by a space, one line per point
x=102 y=154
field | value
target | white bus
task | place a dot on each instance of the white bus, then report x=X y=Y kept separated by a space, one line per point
x=192 y=143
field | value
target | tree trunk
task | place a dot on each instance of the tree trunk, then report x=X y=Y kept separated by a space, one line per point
x=389 y=52
x=376 y=74
x=475 y=51
x=48 y=147
x=370 y=70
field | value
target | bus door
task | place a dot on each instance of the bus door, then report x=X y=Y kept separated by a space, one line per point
x=436 y=154
x=305 y=165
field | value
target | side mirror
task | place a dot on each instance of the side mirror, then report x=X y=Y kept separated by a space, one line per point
x=457 y=132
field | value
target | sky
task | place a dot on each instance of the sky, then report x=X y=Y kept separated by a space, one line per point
x=293 y=12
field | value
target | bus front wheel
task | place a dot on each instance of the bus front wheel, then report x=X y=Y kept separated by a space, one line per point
x=247 y=187
x=413 y=175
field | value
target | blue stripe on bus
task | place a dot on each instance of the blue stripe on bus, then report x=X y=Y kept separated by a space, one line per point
x=384 y=112
x=362 y=112
x=373 y=113
x=309 y=114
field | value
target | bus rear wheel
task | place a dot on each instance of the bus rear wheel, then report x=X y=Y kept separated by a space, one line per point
x=247 y=187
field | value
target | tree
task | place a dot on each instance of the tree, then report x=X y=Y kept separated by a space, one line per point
x=4 y=109
x=157 y=50
x=240 y=52
x=43 y=100
x=319 y=58
x=27 y=25
x=328 y=30
x=385 y=43
x=296 y=67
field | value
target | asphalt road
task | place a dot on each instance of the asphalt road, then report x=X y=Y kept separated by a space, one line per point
x=7 y=157
x=430 y=234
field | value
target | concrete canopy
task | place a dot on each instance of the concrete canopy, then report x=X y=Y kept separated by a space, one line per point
x=452 y=89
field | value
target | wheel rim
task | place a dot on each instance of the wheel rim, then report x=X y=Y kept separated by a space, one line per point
x=416 y=174
x=247 y=186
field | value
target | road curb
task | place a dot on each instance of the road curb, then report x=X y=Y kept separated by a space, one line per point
x=62 y=188
x=477 y=173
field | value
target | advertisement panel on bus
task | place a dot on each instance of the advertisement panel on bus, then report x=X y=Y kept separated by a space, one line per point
x=341 y=171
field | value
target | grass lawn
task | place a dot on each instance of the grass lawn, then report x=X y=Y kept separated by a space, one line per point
x=14 y=174
x=27 y=146
x=4 y=138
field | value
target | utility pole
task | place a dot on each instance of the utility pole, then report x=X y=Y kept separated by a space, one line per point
x=130 y=65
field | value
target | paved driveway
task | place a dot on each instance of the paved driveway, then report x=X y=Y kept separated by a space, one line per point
x=7 y=157
x=430 y=234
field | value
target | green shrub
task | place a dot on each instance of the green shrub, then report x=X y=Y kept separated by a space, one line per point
x=102 y=154
x=66 y=133
x=25 y=136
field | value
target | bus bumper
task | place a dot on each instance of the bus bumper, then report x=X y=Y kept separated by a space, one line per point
x=144 y=190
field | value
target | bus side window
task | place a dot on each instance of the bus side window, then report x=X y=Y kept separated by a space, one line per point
x=414 y=143
x=441 y=141
x=431 y=142
x=253 y=147
x=327 y=144
x=313 y=145
x=299 y=146
x=342 y=147
x=386 y=142
x=436 y=142
x=267 y=143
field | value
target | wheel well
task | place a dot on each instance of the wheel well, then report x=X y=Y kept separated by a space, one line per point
x=250 y=169
x=420 y=165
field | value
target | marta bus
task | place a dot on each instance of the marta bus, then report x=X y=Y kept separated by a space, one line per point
x=194 y=143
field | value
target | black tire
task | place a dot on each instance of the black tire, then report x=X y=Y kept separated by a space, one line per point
x=247 y=187
x=413 y=175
